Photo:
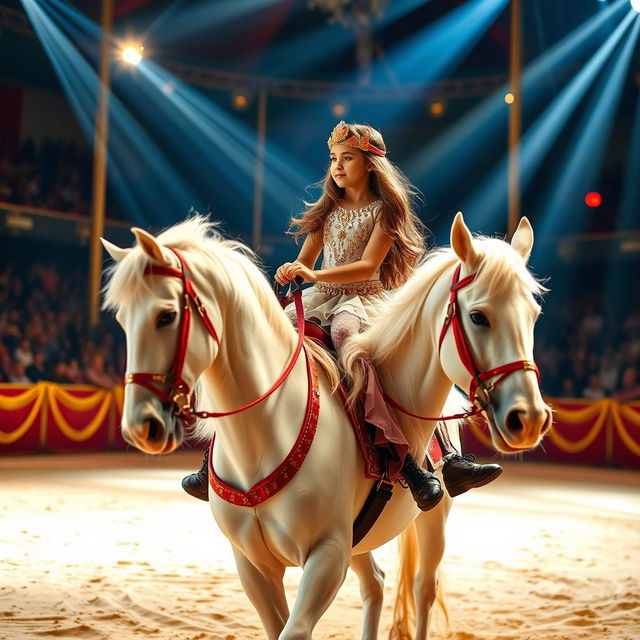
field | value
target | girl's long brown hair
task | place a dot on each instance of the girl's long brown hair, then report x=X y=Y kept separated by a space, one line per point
x=399 y=220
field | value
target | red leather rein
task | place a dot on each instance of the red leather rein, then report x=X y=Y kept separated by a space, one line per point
x=478 y=378
x=179 y=394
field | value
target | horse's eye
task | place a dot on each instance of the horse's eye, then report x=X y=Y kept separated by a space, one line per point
x=166 y=318
x=479 y=318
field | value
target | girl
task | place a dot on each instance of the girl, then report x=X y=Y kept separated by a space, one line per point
x=371 y=241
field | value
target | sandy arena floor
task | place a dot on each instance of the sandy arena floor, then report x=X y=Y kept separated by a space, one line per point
x=108 y=546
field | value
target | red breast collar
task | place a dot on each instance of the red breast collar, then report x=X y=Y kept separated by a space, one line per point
x=279 y=478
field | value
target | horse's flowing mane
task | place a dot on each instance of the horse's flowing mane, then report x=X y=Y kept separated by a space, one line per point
x=227 y=266
x=500 y=269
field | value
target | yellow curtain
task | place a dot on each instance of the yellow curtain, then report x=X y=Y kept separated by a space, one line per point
x=13 y=403
x=100 y=397
x=575 y=446
x=579 y=416
x=633 y=416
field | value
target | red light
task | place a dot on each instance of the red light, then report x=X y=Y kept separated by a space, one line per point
x=593 y=199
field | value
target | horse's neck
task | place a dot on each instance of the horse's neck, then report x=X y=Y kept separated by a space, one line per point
x=252 y=357
x=413 y=375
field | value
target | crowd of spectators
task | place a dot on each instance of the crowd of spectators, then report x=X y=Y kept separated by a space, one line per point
x=588 y=350
x=43 y=334
x=52 y=175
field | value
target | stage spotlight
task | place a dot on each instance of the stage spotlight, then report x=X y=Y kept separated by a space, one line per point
x=240 y=100
x=635 y=5
x=339 y=109
x=437 y=108
x=593 y=199
x=509 y=98
x=132 y=55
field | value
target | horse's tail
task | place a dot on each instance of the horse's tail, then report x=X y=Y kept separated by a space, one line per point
x=404 y=609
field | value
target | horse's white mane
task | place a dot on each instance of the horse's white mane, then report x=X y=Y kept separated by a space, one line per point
x=197 y=236
x=501 y=268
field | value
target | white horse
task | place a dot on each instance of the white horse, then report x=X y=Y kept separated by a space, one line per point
x=249 y=340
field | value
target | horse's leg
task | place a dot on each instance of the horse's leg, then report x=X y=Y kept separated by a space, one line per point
x=323 y=573
x=371 y=579
x=266 y=592
x=430 y=527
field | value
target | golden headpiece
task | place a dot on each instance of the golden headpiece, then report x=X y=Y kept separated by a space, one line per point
x=340 y=135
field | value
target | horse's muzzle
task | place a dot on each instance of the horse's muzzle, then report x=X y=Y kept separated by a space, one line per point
x=154 y=433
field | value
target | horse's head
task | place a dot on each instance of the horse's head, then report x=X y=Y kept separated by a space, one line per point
x=164 y=360
x=495 y=313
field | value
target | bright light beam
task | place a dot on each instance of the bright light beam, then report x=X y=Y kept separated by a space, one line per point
x=211 y=129
x=583 y=160
x=203 y=17
x=434 y=51
x=302 y=52
x=214 y=138
x=462 y=145
x=133 y=156
x=489 y=200
x=630 y=203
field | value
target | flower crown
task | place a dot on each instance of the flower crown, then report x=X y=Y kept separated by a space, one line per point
x=340 y=135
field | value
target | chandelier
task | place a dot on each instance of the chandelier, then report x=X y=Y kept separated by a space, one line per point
x=350 y=12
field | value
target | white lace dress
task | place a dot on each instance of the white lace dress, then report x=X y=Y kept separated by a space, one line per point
x=345 y=237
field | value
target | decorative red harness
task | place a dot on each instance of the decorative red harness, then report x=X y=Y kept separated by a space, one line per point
x=478 y=378
x=288 y=468
x=180 y=397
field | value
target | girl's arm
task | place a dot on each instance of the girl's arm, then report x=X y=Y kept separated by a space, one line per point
x=363 y=269
x=309 y=252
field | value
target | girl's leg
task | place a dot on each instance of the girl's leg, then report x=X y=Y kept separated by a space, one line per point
x=343 y=325
x=425 y=487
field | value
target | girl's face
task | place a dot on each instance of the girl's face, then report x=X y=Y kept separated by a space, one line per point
x=348 y=166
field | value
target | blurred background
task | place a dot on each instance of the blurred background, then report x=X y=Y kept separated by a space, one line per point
x=224 y=107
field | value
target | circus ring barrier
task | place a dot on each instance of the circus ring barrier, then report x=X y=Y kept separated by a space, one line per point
x=64 y=418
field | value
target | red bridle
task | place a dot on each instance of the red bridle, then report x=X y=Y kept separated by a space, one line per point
x=179 y=394
x=478 y=378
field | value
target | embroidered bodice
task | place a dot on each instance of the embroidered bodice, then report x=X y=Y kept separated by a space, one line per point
x=346 y=234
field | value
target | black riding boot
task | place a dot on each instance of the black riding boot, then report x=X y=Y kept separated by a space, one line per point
x=197 y=484
x=425 y=487
x=461 y=473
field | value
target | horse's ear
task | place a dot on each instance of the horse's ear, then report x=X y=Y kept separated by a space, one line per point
x=462 y=241
x=149 y=245
x=115 y=252
x=522 y=240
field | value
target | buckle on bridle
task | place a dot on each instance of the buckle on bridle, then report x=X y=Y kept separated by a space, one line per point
x=486 y=389
x=199 y=306
x=451 y=311
x=182 y=401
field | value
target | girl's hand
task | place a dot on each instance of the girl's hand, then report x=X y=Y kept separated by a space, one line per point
x=298 y=269
x=281 y=274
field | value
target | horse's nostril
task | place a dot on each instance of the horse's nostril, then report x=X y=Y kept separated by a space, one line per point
x=154 y=428
x=514 y=424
